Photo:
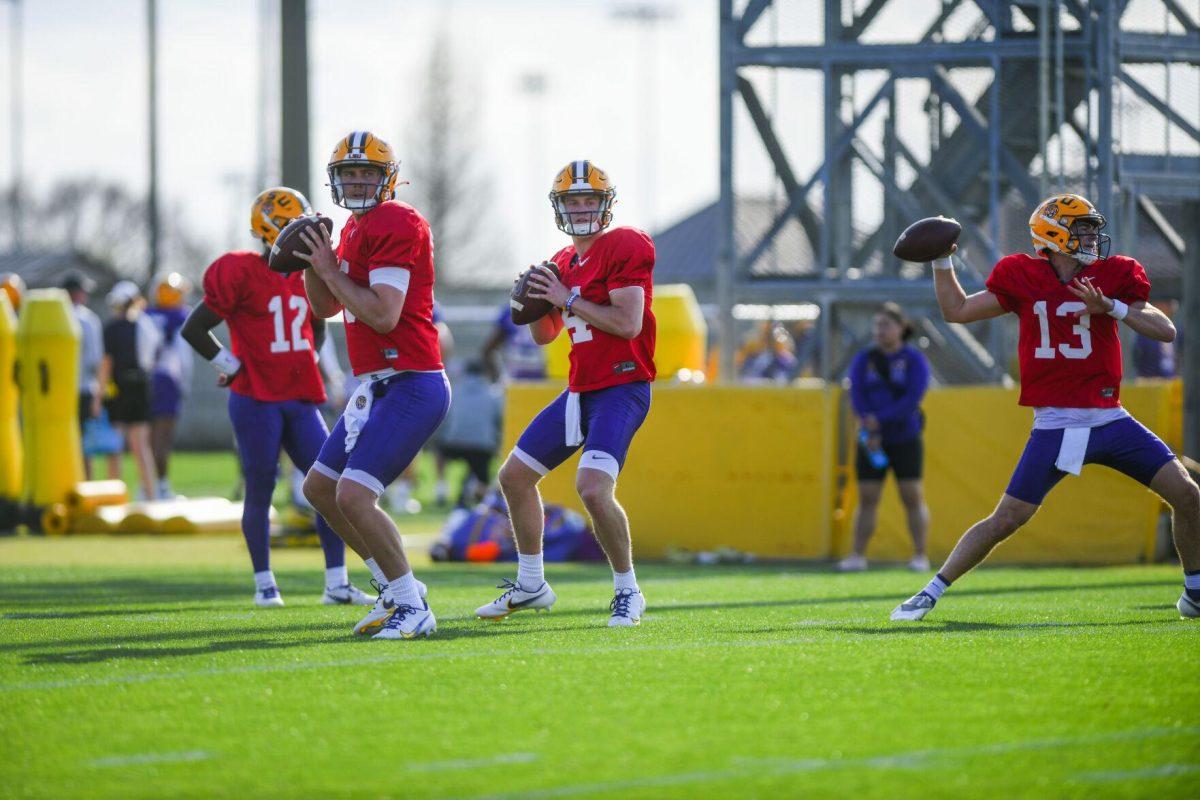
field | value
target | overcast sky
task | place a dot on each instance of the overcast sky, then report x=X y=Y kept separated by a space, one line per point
x=85 y=99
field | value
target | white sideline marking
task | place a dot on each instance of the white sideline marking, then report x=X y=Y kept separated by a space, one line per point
x=471 y=763
x=150 y=758
x=1164 y=771
x=756 y=767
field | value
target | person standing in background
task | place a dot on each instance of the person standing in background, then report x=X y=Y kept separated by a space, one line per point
x=130 y=343
x=91 y=351
x=172 y=372
x=887 y=382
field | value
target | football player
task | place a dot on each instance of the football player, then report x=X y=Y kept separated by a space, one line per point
x=1069 y=297
x=603 y=301
x=172 y=374
x=274 y=385
x=381 y=279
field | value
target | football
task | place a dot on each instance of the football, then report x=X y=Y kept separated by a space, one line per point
x=288 y=243
x=926 y=239
x=526 y=309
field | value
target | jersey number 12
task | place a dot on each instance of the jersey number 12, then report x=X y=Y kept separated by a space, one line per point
x=298 y=342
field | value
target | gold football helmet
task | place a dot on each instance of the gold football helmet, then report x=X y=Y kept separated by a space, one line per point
x=1053 y=227
x=274 y=209
x=582 y=178
x=357 y=149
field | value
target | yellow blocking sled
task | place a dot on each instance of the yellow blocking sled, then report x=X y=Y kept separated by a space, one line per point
x=48 y=374
x=10 y=428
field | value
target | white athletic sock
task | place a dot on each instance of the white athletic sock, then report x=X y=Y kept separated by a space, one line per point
x=264 y=579
x=336 y=576
x=531 y=571
x=376 y=572
x=936 y=586
x=625 y=580
x=404 y=590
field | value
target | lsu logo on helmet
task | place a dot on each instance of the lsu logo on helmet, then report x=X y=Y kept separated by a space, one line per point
x=582 y=178
x=1052 y=227
x=358 y=149
x=274 y=209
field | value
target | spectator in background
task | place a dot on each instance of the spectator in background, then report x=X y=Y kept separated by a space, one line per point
x=471 y=431
x=1155 y=359
x=887 y=382
x=172 y=374
x=131 y=341
x=773 y=360
x=91 y=351
x=510 y=353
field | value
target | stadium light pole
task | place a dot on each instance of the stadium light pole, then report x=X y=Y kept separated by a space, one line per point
x=15 y=121
x=152 y=201
x=293 y=99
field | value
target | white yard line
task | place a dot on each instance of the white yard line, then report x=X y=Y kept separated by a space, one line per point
x=471 y=763
x=1165 y=771
x=138 y=759
x=741 y=768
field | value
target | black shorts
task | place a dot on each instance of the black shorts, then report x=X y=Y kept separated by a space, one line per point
x=905 y=459
x=132 y=401
x=85 y=408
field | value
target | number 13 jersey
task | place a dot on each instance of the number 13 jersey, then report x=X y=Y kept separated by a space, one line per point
x=618 y=258
x=1068 y=359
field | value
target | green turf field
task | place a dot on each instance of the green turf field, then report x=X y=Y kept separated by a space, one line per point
x=131 y=667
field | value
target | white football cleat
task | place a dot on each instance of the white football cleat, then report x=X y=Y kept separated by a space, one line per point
x=1188 y=608
x=268 y=597
x=853 y=563
x=627 y=607
x=407 y=622
x=914 y=608
x=517 y=599
x=346 y=595
x=382 y=611
x=919 y=564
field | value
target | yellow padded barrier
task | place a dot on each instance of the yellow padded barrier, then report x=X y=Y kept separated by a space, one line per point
x=48 y=369
x=746 y=467
x=973 y=440
x=10 y=428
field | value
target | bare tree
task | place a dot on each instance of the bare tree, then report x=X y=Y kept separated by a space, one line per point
x=449 y=185
x=106 y=223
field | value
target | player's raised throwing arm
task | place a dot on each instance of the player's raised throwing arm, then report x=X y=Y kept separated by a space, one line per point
x=956 y=304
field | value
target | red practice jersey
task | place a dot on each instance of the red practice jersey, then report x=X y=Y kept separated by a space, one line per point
x=391 y=245
x=618 y=258
x=1067 y=360
x=270 y=328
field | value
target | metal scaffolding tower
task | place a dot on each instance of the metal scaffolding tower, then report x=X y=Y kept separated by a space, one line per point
x=1021 y=99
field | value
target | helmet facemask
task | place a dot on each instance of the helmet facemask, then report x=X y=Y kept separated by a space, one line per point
x=1087 y=244
x=338 y=183
x=575 y=220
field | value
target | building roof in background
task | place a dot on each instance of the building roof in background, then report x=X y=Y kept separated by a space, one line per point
x=42 y=270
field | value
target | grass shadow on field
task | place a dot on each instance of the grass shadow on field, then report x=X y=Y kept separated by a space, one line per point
x=104 y=612
x=890 y=597
x=962 y=626
x=158 y=653
x=166 y=635
x=122 y=590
